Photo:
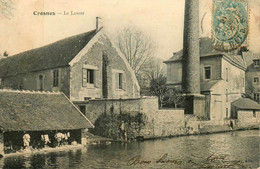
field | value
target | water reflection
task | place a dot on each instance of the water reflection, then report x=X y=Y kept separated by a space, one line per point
x=192 y=151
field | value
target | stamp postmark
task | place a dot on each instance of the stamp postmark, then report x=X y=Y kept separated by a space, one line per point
x=229 y=24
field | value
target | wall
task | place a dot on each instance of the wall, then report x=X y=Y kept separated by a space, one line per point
x=235 y=84
x=30 y=81
x=246 y=120
x=245 y=116
x=143 y=119
x=141 y=116
x=215 y=63
x=252 y=87
x=174 y=72
x=174 y=69
x=93 y=57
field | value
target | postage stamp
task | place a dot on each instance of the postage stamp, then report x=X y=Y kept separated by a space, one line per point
x=229 y=24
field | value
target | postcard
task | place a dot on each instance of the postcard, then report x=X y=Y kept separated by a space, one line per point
x=129 y=84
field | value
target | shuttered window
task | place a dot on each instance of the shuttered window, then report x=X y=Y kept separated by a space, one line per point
x=90 y=78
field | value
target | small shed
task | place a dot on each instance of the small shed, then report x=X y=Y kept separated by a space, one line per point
x=38 y=113
x=245 y=109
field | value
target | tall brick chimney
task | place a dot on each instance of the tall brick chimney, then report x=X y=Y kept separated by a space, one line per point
x=194 y=102
x=191 y=50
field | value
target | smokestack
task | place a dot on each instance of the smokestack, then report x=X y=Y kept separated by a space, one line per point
x=191 y=50
x=97 y=26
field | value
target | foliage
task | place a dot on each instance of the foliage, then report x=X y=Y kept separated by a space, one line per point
x=158 y=88
x=167 y=97
x=108 y=124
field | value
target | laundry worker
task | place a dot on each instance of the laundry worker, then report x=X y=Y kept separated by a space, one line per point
x=45 y=139
x=26 y=140
x=123 y=134
x=59 y=136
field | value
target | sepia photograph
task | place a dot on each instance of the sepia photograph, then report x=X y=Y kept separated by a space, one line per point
x=104 y=84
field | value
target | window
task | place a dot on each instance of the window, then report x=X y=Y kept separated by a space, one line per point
x=207 y=72
x=55 y=78
x=256 y=97
x=226 y=74
x=120 y=80
x=87 y=98
x=41 y=82
x=256 y=80
x=82 y=109
x=90 y=76
x=254 y=113
x=226 y=95
x=256 y=63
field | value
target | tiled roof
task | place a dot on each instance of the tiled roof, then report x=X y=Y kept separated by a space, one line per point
x=206 y=50
x=37 y=111
x=246 y=104
x=54 y=55
x=207 y=85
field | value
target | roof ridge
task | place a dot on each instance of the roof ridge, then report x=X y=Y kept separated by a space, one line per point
x=49 y=44
x=30 y=91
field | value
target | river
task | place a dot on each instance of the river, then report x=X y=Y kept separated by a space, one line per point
x=238 y=149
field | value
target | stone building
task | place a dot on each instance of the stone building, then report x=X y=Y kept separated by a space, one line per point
x=84 y=66
x=245 y=111
x=222 y=78
x=253 y=77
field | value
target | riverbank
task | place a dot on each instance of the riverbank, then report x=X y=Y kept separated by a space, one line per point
x=98 y=140
x=44 y=150
x=94 y=139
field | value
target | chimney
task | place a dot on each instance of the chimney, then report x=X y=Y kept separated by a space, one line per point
x=97 y=26
x=191 y=49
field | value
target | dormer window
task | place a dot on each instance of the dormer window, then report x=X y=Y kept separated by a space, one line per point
x=256 y=63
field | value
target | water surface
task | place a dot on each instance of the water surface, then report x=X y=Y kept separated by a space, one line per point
x=226 y=150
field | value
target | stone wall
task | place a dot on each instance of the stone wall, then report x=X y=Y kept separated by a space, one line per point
x=246 y=118
x=141 y=117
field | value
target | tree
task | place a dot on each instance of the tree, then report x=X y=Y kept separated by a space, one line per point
x=176 y=97
x=6 y=8
x=154 y=69
x=158 y=88
x=136 y=47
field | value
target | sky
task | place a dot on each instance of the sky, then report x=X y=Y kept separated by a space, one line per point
x=162 y=20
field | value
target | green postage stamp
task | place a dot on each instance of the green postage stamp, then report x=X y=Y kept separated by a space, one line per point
x=229 y=24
